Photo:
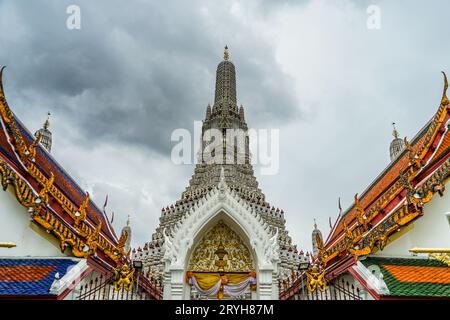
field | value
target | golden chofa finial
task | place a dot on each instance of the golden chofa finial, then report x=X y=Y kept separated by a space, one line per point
x=47 y=121
x=1 y=79
x=445 y=101
x=226 y=54
x=395 y=132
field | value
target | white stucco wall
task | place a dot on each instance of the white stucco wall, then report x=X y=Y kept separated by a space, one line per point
x=16 y=227
x=432 y=230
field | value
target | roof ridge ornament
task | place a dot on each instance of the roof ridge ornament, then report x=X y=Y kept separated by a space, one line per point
x=361 y=215
x=47 y=186
x=445 y=101
x=81 y=213
x=2 y=92
x=4 y=112
x=31 y=152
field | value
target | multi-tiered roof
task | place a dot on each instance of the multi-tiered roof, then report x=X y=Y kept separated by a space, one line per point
x=52 y=197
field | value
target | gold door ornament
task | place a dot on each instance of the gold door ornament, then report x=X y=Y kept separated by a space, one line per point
x=221 y=250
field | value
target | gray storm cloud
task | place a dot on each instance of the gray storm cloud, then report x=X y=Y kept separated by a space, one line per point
x=137 y=70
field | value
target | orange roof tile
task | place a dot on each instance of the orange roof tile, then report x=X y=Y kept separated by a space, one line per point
x=419 y=273
x=24 y=273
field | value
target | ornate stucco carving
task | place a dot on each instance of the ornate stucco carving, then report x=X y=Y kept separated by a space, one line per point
x=236 y=256
x=221 y=201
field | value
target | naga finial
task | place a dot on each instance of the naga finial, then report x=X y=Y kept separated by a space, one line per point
x=46 y=189
x=445 y=100
x=1 y=80
x=81 y=214
x=33 y=146
x=226 y=54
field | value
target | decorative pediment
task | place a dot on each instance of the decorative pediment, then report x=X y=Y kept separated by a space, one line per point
x=221 y=200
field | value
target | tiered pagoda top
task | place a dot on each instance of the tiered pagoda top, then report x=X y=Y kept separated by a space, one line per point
x=238 y=175
x=225 y=80
x=225 y=114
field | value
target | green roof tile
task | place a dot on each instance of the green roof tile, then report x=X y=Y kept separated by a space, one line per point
x=411 y=288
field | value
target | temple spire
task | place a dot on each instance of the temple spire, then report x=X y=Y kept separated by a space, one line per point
x=47 y=121
x=317 y=239
x=225 y=81
x=397 y=145
x=233 y=153
x=45 y=134
x=126 y=234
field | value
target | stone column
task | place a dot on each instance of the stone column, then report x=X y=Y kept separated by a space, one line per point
x=265 y=284
x=167 y=295
x=275 y=287
x=177 y=284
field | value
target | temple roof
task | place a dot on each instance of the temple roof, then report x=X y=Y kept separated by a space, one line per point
x=385 y=179
x=51 y=195
x=418 y=170
x=67 y=184
x=31 y=277
x=413 y=277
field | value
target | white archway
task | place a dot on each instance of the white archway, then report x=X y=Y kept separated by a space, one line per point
x=225 y=204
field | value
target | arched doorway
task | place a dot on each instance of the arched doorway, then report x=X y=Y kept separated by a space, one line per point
x=221 y=266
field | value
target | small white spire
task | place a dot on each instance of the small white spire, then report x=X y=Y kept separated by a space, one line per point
x=222 y=182
x=395 y=132
x=226 y=54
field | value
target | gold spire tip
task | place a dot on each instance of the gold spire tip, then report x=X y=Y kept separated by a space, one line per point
x=47 y=121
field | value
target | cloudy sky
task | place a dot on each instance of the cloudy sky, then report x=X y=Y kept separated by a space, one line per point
x=137 y=70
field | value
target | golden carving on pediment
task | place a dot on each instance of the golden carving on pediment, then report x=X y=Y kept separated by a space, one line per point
x=221 y=250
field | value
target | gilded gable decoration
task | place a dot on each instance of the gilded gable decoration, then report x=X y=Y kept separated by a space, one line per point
x=221 y=250
x=80 y=214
